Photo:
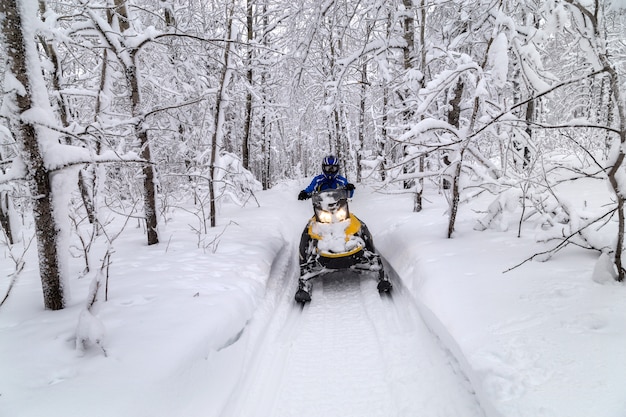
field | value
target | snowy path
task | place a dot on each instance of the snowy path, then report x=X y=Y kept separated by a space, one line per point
x=348 y=353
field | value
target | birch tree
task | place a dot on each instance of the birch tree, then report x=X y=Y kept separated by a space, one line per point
x=220 y=110
x=32 y=115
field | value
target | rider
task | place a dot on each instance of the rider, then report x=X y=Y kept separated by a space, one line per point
x=329 y=178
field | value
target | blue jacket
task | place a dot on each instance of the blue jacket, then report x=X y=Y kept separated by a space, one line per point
x=321 y=183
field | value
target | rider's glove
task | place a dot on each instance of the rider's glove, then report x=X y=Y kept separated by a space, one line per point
x=350 y=187
x=303 y=195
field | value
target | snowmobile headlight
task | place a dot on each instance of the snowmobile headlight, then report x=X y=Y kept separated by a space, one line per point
x=341 y=214
x=324 y=216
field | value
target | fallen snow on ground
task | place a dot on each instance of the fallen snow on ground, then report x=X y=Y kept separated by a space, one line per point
x=206 y=326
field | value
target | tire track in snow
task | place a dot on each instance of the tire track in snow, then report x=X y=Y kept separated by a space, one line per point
x=348 y=353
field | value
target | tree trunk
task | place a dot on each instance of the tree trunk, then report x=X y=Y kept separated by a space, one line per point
x=218 y=123
x=265 y=150
x=266 y=138
x=5 y=216
x=361 y=127
x=383 y=133
x=149 y=177
x=28 y=136
x=6 y=208
x=418 y=202
x=122 y=13
x=409 y=35
x=454 y=117
x=616 y=168
x=408 y=55
x=245 y=145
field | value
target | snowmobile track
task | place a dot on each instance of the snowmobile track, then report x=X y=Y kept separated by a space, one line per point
x=349 y=352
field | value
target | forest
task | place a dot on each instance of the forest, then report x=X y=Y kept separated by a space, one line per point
x=126 y=108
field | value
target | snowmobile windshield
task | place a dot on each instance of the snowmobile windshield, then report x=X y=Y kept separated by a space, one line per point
x=331 y=206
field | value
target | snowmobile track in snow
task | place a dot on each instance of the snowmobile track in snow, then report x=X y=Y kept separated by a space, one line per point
x=349 y=352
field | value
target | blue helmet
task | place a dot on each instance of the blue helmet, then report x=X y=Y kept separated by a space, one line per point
x=330 y=167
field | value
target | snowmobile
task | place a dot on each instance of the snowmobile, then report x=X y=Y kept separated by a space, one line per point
x=335 y=239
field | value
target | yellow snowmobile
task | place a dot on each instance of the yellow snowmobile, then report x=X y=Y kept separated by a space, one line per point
x=336 y=239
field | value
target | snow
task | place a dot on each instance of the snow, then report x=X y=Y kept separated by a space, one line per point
x=499 y=60
x=207 y=326
x=617 y=4
x=335 y=237
x=426 y=125
x=17 y=170
x=11 y=83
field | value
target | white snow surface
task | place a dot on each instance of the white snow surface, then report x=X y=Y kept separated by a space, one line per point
x=209 y=327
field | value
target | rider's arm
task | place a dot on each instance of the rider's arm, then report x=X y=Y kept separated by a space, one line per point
x=314 y=183
x=343 y=182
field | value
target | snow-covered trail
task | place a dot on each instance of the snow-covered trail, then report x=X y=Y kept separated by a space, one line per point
x=350 y=352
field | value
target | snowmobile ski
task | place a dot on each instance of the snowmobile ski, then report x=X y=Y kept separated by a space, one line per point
x=302 y=296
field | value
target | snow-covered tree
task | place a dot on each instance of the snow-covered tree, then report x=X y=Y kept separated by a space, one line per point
x=44 y=159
